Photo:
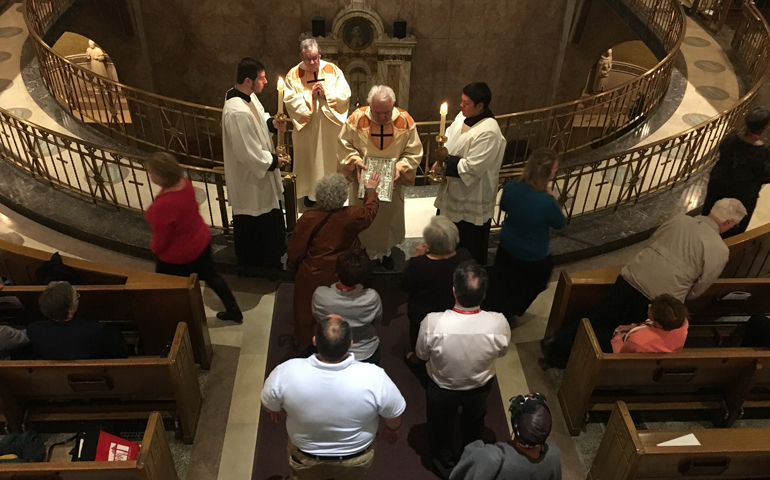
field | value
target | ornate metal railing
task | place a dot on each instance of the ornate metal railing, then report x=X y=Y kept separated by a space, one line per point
x=193 y=131
x=625 y=178
x=119 y=178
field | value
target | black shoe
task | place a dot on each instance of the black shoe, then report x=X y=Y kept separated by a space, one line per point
x=308 y=203
x=232 y=315
x=388 y=263
x=545 y=345
x=442 y=468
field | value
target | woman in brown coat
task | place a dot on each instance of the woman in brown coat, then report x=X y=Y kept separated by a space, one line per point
x=319 y=237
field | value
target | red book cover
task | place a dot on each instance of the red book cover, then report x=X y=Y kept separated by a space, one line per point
x=114 y=449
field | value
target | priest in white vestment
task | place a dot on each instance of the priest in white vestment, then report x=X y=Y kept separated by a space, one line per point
x=316 y=99
x=254 y=185
x=381 y=130
x=473 y=154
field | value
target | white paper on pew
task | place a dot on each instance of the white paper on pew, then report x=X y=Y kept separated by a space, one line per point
x=686 y=441
x=737 y=296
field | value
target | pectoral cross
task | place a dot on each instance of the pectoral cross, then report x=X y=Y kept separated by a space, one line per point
x=315 y=78
x=382 y=136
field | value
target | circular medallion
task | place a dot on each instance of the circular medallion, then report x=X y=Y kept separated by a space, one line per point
x=710 y=66
x=6 y=32
x=712 y=93
x=5 y=56
x=694 y=119
x=23 y=113
x=696 y=42
x=357 y=33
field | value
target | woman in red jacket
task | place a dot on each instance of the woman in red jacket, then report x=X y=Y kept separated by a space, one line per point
x=180 y=238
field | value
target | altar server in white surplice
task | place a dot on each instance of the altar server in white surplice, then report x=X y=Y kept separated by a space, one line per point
x=473 y=153
x=381 y=130
x=254 y=185
x=316 y=99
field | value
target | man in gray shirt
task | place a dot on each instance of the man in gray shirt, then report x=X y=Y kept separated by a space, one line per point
x=529 y=455
x=360 y=307
x=683 y=258
x=11 y=338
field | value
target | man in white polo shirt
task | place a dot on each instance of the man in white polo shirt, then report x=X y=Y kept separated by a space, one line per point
x=461 y=347
x=332 y=405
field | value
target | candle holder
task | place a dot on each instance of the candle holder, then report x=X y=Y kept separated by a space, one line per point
x=280 y=148
x=439 y=167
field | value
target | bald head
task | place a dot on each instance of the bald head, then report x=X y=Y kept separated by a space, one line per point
x=333 y=338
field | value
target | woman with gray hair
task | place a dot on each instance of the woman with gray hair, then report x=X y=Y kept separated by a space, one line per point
x=320 y=236
x=428 y=275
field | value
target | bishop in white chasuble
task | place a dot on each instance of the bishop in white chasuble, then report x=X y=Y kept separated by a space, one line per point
x=316 y=99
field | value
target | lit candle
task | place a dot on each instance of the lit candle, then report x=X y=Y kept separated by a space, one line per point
x=280 y=96
x=442 y=127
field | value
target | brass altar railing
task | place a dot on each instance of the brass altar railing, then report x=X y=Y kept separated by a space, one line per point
x=119 y=178
x=625 y=178
x=193 y=132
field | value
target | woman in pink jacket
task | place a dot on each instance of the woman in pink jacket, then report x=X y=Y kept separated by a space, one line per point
x=665 y=330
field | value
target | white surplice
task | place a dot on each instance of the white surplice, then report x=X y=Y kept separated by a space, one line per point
x=252 y=188
x=472 y=196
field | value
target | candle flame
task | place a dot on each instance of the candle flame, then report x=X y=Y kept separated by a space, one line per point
x=444 y=108
x=280 y=84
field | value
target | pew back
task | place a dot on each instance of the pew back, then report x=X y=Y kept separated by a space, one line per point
x=153 y=463
x=577 y=294
x=702 y=378
x=152 y=309
x=20 y=263
x=41 y=390
x=627 y=454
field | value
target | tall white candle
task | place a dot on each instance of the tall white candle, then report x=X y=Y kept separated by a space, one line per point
x=280 y=95
x=443 y=111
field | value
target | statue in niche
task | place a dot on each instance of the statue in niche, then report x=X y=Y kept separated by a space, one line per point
x=97 y=57
x=603 y=68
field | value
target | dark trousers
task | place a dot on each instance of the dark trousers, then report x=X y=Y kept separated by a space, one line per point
x=260 y=241
x=374 y=358
x=475 y=238
x=514 y=284
x=757 y=332
x=749 y=203
x=622 y=305
x=204 y=267
x=442 y=408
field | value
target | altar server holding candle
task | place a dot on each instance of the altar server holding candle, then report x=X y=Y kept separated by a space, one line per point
x=254 y=186
x=472 y=155
x=316 y=99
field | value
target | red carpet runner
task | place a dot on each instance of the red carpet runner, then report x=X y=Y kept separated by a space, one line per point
x=407 y=459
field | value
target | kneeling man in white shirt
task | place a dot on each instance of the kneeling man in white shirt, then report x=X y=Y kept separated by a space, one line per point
x=332 y=405
x=461 y=347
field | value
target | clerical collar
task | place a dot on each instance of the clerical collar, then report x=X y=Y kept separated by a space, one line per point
x=486 y=113
x=466 y=311
x=234 y=92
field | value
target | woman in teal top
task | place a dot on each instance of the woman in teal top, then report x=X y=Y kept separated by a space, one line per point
x=523 y=265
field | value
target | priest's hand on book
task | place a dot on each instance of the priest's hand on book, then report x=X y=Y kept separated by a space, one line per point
x=373 y=181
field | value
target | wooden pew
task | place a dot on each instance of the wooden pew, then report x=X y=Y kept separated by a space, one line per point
x=627 y=454
x=152 y=309
x=577 y=294
x=20 y=263
x=698 y=378
x=153 y=463
x=43 y=390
